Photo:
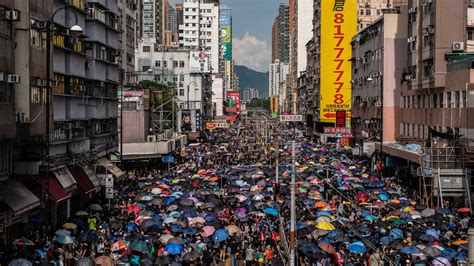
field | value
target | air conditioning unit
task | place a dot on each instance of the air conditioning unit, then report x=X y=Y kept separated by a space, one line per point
x=411 y=39
x=13 y=78
x=151 y=138
x=12 y=15
x=412 y=10
x=40 y=24
x=407 y=77
x=431 y=30
x=378 y=104
x=458 y=46
x=67 y=126
x=427 y=1
x=3 y=76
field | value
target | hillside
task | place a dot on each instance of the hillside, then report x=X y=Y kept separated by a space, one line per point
x=249 y=78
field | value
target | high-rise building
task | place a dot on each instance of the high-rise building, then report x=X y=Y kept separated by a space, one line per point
x=130 y=35
x=283 y=33
x=179 y=14
x=278 y=72
x=368 y=11
x=200 y=29
x=154 y=19
x=275 y=43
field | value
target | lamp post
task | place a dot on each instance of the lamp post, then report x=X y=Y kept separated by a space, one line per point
x=75 y=30
x=381 y=108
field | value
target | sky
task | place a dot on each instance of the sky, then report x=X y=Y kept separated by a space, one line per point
x=252 y=22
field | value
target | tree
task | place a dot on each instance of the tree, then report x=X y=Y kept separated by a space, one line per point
x=260 y=103
x=159 y=94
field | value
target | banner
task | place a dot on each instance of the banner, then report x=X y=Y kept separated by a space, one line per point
x=274 y=104
x=338 y=25
x=226 y=51
x=199 y=62
x=189 y=120
x=225 y=17
x=226 y=34
x=233 y=99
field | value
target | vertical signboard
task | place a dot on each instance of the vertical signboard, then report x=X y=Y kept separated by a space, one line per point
x=189 y=120
x=340 y=118
x=199 y=62
x=338 y=25
x=274 y=107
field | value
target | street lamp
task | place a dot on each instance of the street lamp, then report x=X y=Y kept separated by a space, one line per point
x=370 y=79
x=75 y=31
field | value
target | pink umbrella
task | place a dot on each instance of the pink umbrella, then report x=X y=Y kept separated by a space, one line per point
x=240 y=210
x=208 y=231
x=193 y=199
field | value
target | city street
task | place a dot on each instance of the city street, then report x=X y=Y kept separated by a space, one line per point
x=225 y=203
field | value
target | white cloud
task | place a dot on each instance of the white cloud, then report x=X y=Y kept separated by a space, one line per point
x=251 y=52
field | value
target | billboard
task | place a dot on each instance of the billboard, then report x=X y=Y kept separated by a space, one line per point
x=189 y=120
x=199 y=62
x=225 y=17
x=226 y=34
x=338 y=25
x=226 y=51
x=233 y=99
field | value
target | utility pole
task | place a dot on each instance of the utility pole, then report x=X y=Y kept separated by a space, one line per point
x=292 y=206
x=470 y=253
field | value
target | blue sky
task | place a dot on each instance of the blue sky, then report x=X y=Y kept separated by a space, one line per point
x=252 y=31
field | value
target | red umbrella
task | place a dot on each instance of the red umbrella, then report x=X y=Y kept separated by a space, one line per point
x=464 y=209
x=327 y=247
x=362 y=197
x=133 y=208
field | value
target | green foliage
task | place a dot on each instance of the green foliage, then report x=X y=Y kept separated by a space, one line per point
x=261 y=103
x=159 y=94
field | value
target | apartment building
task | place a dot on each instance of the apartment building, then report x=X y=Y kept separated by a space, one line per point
x=154 y=19
x=128 y=12
x=278 y=72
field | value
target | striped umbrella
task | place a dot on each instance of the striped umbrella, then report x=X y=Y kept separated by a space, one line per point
x=119 y=245
x=23 y=242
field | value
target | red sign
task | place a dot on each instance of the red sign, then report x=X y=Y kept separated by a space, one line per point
x=231 y=118
x=340 y=118
x=337 y=130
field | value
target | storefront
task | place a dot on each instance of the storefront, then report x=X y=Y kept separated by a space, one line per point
x=105 y=167
x=88 y=183
x=17 y=203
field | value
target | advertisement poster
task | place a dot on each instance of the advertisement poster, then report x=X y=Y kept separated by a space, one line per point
x=338 y=25
x=189 y=120
x=233 y=99
x=225 y=17
x=199 y=62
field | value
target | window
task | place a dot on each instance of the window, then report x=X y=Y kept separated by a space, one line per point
x=146 y=49
x=181 y=92
x=5 y=92
x=38 y=38
x=157 y=78
x=367 y=12
x=435 y=101
x=157 y=63
x=181 y=63
x=165 y=64
x=457 y=99
x=448 y=99
x=181 y=78
x=427 y=68
x=362 y=12
x=378 y=12
x=175 y=63
x=145 y=68
x=441 y=100
x=408 y=102
x=36 y=95
x=464 y=99
x=175 y=78
x=418 y=101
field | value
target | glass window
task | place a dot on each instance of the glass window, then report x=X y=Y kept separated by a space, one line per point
x=146 y=49
x=457 y=99
x=441 y=100
x=435 y=101
x=157 y=63
x=367 y=12
x=448 y=99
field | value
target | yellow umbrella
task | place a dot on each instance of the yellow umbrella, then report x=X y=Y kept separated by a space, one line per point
x=69 y=226
x=325 y=226
x=408 y=209
x=391 y=217
x=460 y=242
x=232 y=229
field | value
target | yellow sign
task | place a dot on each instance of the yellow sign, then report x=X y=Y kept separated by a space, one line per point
x=338 y=25
x=274 y=104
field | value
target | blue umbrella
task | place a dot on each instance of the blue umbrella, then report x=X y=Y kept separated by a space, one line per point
x=383 y=197
x=396 y=233
x=174 y=248
x=343 y=188
x=190 y=231
x=87 y=236
x=443 y=211
x=176 y=228
x=307 y=247
x=323 y=213
x=411 y=250
x=209 y=218
x=130 y=227
x=271 y=211
x=385 y=240
x=427 y=238
x=189 y=214
x=140 y=246
x=64 y=239
x=357 y=247
x=433 y=233
x=301 y=225
x=370 y=218
x=169 y=201
x=148 y=223
x=220 y=235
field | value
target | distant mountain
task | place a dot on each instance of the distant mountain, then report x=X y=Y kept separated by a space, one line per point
x=249 y=78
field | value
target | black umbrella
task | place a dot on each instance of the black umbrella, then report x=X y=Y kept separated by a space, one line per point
x=87 y=261
x=163 y=260
x=146 y=261
x=191 y=256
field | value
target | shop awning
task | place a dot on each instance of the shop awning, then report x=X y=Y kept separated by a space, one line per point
x=112 y=168
x=56 y=191
x=92 y=176
x=82 y=179
x=65 y=178
x=17 y=196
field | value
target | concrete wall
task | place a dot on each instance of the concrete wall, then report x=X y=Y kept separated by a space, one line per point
x=135 y=126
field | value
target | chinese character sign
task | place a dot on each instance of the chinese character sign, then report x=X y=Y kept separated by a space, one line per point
x=338 y=25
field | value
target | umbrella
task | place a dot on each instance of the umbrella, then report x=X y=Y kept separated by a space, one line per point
x=62 y=232
x=165 y=238
x=208 y=231
x=140 y=246
x=464 y=210
x=357 y=247
x=20 y=262
x=176 y=228
x=433 y=233
x=443 y=211
x=325 y=226
x=119 y=245
x=370 y=218
x=189 y=231
x=270 y=211
x=220 y=235
x=386 y=240
x=322 y=219
x=174 y=248
x=432 y=251
x=70 y=226
x=176 y=240
x=411 y=250
x=86 y=261
x=64 y=239
x=23 y=242
x=327 y=247
x=307 y=247
x=427 y=238
x=81 y=213
x=232 y=229
x=428 y=212
x=95 y=207
x=87 y=236
x=163 y=260
x=104 y=261
x=440 y=261
x=396 y=233
x=191 y=256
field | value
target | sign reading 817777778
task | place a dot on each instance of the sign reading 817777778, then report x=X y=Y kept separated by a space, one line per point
x=338 y=25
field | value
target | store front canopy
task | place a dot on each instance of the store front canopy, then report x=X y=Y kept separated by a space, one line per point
x=56 y=191
x=82 y=179
x=17 y=196
x=65 y=178
x=111 y=168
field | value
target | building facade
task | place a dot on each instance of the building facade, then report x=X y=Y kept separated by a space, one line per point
x=278 y=72
x=128 y=12
x=275 y=43
x=283 y=33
